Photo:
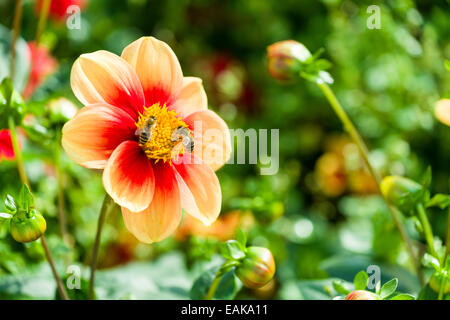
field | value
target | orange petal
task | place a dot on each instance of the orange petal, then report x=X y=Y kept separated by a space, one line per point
x=157 y=67
x=128 y=177
x=199 y=189
x=192 y=97
x=102 y=76
x=94 y=132
x=163 y=216
x=212 y=137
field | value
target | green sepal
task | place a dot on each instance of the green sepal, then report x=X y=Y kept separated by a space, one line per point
x=10 y=204
x=360 y=281
x=26 y=200
x=388 y=288
x=232 y=250
x=439 y=200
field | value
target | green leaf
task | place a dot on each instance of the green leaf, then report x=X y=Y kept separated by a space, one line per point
x=322 y=64
x=431 y=262
x=360 y=280
x=378 y=287
x=439 y=200
x=241 y=238
x=4 y=215
x=389 y=288
x=403 y=296
x=26 y=200
x=227 y=289
x=338 y=285
x=10 y=204
x=426 y=178
x=232 y=250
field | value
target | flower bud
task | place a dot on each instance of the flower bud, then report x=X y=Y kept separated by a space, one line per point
x=286 y=58
x=361 y=295
x=402 y=192
x=257 y=268
x=435 y=283
x=27 y=226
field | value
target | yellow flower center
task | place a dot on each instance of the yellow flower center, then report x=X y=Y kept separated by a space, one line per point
x=155 y=130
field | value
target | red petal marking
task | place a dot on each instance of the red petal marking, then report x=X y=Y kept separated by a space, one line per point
x=102 y=76
x=128 y=177
x=94 y=132
x=163 y=216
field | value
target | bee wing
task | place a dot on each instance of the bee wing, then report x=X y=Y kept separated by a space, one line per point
x=176 y=134
x=151 y=129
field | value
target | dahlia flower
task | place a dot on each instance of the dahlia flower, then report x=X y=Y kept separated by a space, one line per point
x=133 y=106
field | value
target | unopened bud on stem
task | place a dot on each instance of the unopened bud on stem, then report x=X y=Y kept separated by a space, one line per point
x=257 y=268
x=402 y=192
x=27 y=226
x=286 y=58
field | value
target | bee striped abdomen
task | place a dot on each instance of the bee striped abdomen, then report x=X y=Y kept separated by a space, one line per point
x=143 y=138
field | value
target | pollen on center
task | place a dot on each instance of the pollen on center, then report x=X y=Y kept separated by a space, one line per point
x=154 y=129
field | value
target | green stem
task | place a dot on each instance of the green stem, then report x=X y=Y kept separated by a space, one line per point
x=17 y=151
x=43 y=15
x=447 y=239
x=15 y=34
x=427 y=229
x=227 y=266
x=61 y=288
x=214 y=285
x=354 y=135
x=107 y=206
x=444 y=262
x=443 y=284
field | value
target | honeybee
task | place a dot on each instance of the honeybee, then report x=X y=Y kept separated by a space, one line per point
x=145 y=133
x=185 y=135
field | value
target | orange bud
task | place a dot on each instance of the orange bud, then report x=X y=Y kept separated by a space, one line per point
x=286 y=58
x=257 y=268
x=361 y=295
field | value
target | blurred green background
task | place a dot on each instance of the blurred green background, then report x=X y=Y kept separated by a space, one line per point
x=320 y=214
